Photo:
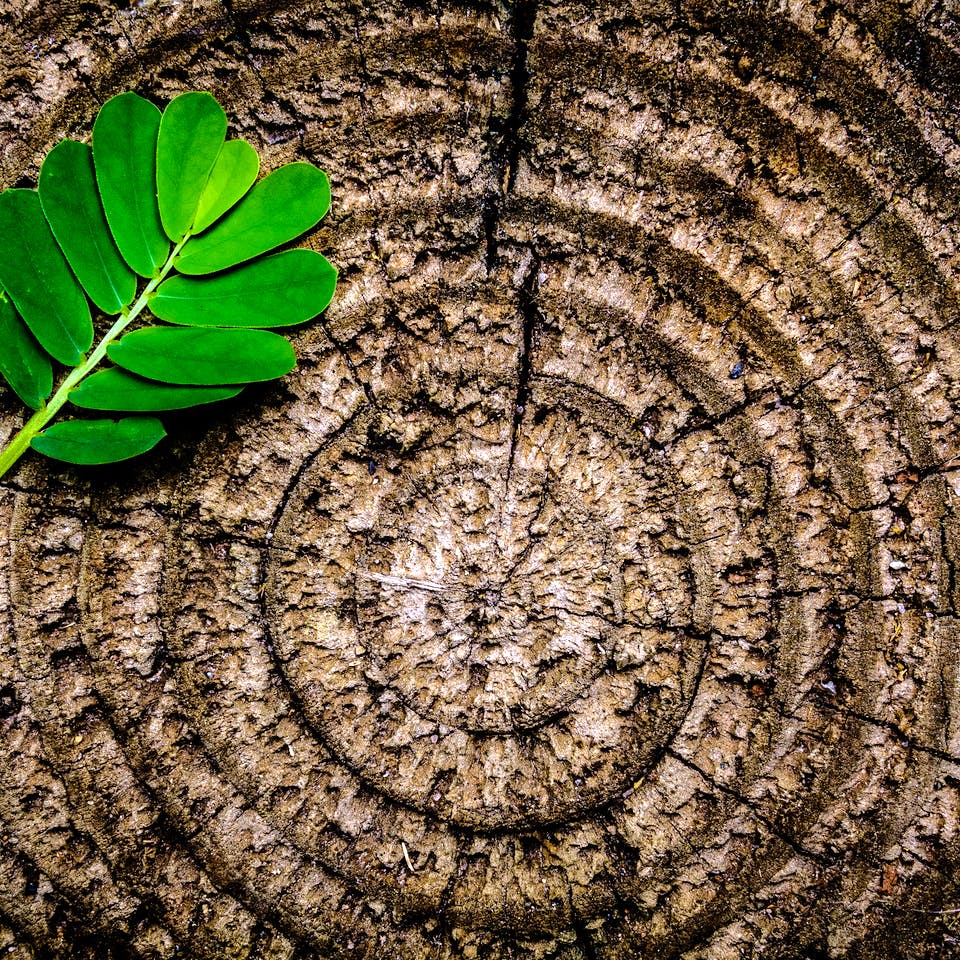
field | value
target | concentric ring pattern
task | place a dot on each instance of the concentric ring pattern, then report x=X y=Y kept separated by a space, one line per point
x=590 y=590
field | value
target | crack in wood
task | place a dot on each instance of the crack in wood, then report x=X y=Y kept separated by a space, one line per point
x=506 y=142
x=530 y=316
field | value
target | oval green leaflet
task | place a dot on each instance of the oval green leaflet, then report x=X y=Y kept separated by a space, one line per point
x=37 y=278
x=232 y=176
x=192 y=131
x=71 y=204
x=23 y=363
x=277 y=291
x=203 y=355
x=93 y=442
x=116 y=389
x=163 y=213
x=125 y=161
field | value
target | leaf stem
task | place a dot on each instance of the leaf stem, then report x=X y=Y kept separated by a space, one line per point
x=21 y=441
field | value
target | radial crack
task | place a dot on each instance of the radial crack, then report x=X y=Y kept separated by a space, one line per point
x=505 y=140
x=530 y=316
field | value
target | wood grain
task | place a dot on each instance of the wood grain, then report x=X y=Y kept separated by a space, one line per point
x=590 y=589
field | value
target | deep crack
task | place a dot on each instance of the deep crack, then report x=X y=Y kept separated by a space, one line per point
x=506 y=142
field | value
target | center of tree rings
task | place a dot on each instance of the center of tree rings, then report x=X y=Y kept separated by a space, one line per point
x=498 y=634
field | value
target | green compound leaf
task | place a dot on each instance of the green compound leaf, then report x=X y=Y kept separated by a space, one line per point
x=203 y=355
x=37 y=279
x=89 y=442
x=23 y=364
x=278 y=291
x=115 y=389
x=101 y=226
x=232 y=176
x=191 y=135
x=125 y=158
x=71 y=204
x=283 y=205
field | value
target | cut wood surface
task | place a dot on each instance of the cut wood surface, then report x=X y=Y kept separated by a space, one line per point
x=589 y=591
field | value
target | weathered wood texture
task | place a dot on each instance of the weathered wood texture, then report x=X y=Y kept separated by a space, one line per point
x=590 y=589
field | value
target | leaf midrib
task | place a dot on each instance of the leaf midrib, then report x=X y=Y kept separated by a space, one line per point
x=241 y=294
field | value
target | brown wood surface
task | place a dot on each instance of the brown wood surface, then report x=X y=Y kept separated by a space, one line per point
x=590 y=590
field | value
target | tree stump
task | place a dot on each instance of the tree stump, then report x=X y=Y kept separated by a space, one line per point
x=590 y=590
